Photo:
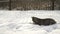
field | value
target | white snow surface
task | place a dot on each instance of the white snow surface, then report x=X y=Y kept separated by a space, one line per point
x=20 y=22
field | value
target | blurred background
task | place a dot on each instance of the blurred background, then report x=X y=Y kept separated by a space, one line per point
x=29 y=4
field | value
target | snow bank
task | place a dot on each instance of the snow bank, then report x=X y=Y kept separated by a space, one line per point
x=25 y=16
x=13 y=28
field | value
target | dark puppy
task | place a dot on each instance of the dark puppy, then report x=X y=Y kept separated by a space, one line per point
x=47 y=21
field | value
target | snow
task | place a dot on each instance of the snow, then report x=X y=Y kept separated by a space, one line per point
x=57 y=31
x=20 y=22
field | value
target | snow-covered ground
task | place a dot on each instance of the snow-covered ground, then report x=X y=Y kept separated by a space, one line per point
x=20 y=22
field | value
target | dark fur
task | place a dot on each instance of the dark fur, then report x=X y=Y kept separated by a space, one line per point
x=47 y=21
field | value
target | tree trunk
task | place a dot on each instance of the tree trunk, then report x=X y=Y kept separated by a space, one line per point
x=9 y=4
x=52 y=5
